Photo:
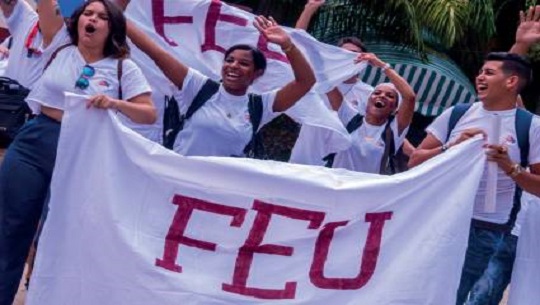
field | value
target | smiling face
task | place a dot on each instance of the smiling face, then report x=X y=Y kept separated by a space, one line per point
x=382 y=102
x=492 y=84
x=238 y=71
x=93 y=25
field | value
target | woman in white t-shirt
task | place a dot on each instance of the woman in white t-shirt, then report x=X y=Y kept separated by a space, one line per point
x=89 y=65
x=381 y=114
x=222 y=127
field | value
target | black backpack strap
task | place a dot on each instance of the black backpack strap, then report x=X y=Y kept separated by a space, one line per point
x=209 y=88
x=523 y=125
x=351 y=126
x=119 y=72
x=457 y=112
x=388 y=166
x=254 y=149
x=354 y=123
x=54 y=54
x=173 y=122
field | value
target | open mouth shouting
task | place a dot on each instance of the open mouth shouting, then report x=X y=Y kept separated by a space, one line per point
x=379 y=103
x=89 y=29
x=481 y=87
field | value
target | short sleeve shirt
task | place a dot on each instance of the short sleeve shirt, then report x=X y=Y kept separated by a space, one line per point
x=478 y=117
x=221 y=127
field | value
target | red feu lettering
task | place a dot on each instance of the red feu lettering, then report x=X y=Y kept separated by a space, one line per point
x=262 y=45
x=369 y=257
x=158 y=15
x=176 y=236
x=212 y=17
x=253 y=244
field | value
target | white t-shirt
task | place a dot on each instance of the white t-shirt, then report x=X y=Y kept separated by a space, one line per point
x=22 y=67
x=478 y=117
x=65 y=70
x=221 y=127
x=367 y=149
x=356 y=95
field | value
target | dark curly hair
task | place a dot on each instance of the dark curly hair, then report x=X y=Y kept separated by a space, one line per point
x=116 y=44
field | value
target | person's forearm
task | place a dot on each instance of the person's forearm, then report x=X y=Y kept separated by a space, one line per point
x=520 y=48
x=303 y=73
x=170 y=66
x=528 y=182
x=138 y=113
x=305 y=17
x=50 y=20
x=419 y=156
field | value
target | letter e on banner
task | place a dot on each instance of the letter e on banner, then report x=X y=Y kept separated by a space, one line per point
x=369 y=257
x=176 y=236
x=253 y=244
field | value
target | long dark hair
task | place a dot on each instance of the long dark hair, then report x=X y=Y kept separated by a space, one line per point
x=116 y=44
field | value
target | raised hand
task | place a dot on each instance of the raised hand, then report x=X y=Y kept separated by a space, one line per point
x=371 y=58
x=272 y=31
x=315 y=3
x=528 y=31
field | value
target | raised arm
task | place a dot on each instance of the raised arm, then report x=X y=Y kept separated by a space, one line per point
x=406 y=109
x=304 y=78
x=431 y=146
x=173 y=69
x=7 y=6
x=528 y=31
x=50 y=19
x=311 y=7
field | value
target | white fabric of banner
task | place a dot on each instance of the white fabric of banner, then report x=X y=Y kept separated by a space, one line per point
x=526 y=274
x=133 y=223
x=198 y=32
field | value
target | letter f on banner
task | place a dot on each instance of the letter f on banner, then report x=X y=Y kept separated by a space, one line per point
x=176 y=236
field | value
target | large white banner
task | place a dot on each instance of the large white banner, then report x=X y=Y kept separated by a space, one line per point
x=198 y=32
x=526 y=274
x=133 y=223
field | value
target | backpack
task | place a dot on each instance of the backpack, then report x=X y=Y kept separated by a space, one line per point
x=173 y=122
x=14 y=111
x=389 y=164
x=523 y=123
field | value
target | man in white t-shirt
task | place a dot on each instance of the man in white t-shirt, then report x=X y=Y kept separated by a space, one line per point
x=28 y=53
x=498 y=84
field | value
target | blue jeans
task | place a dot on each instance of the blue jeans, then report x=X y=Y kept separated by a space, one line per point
x=489 y=289
x=481 y=260
x=25 y=175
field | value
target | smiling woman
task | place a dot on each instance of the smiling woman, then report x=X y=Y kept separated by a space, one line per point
x=93 y=62
x=225 y=120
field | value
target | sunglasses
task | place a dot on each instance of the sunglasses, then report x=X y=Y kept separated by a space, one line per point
x=84 y=80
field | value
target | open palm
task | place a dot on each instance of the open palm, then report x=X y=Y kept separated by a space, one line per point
x=529 y=28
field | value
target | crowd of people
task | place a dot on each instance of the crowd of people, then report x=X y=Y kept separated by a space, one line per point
x=88 y=54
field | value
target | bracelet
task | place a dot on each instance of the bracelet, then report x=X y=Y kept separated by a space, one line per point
x=386 y=67
x=288 y=49
x=516 y=170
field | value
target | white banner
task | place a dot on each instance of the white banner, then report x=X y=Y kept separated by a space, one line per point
x=198 y=32
x=133 y=223
x=526 y=274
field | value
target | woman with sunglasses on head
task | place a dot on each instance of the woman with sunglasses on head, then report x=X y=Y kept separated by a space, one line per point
x=222 y=127
x=94 y=63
